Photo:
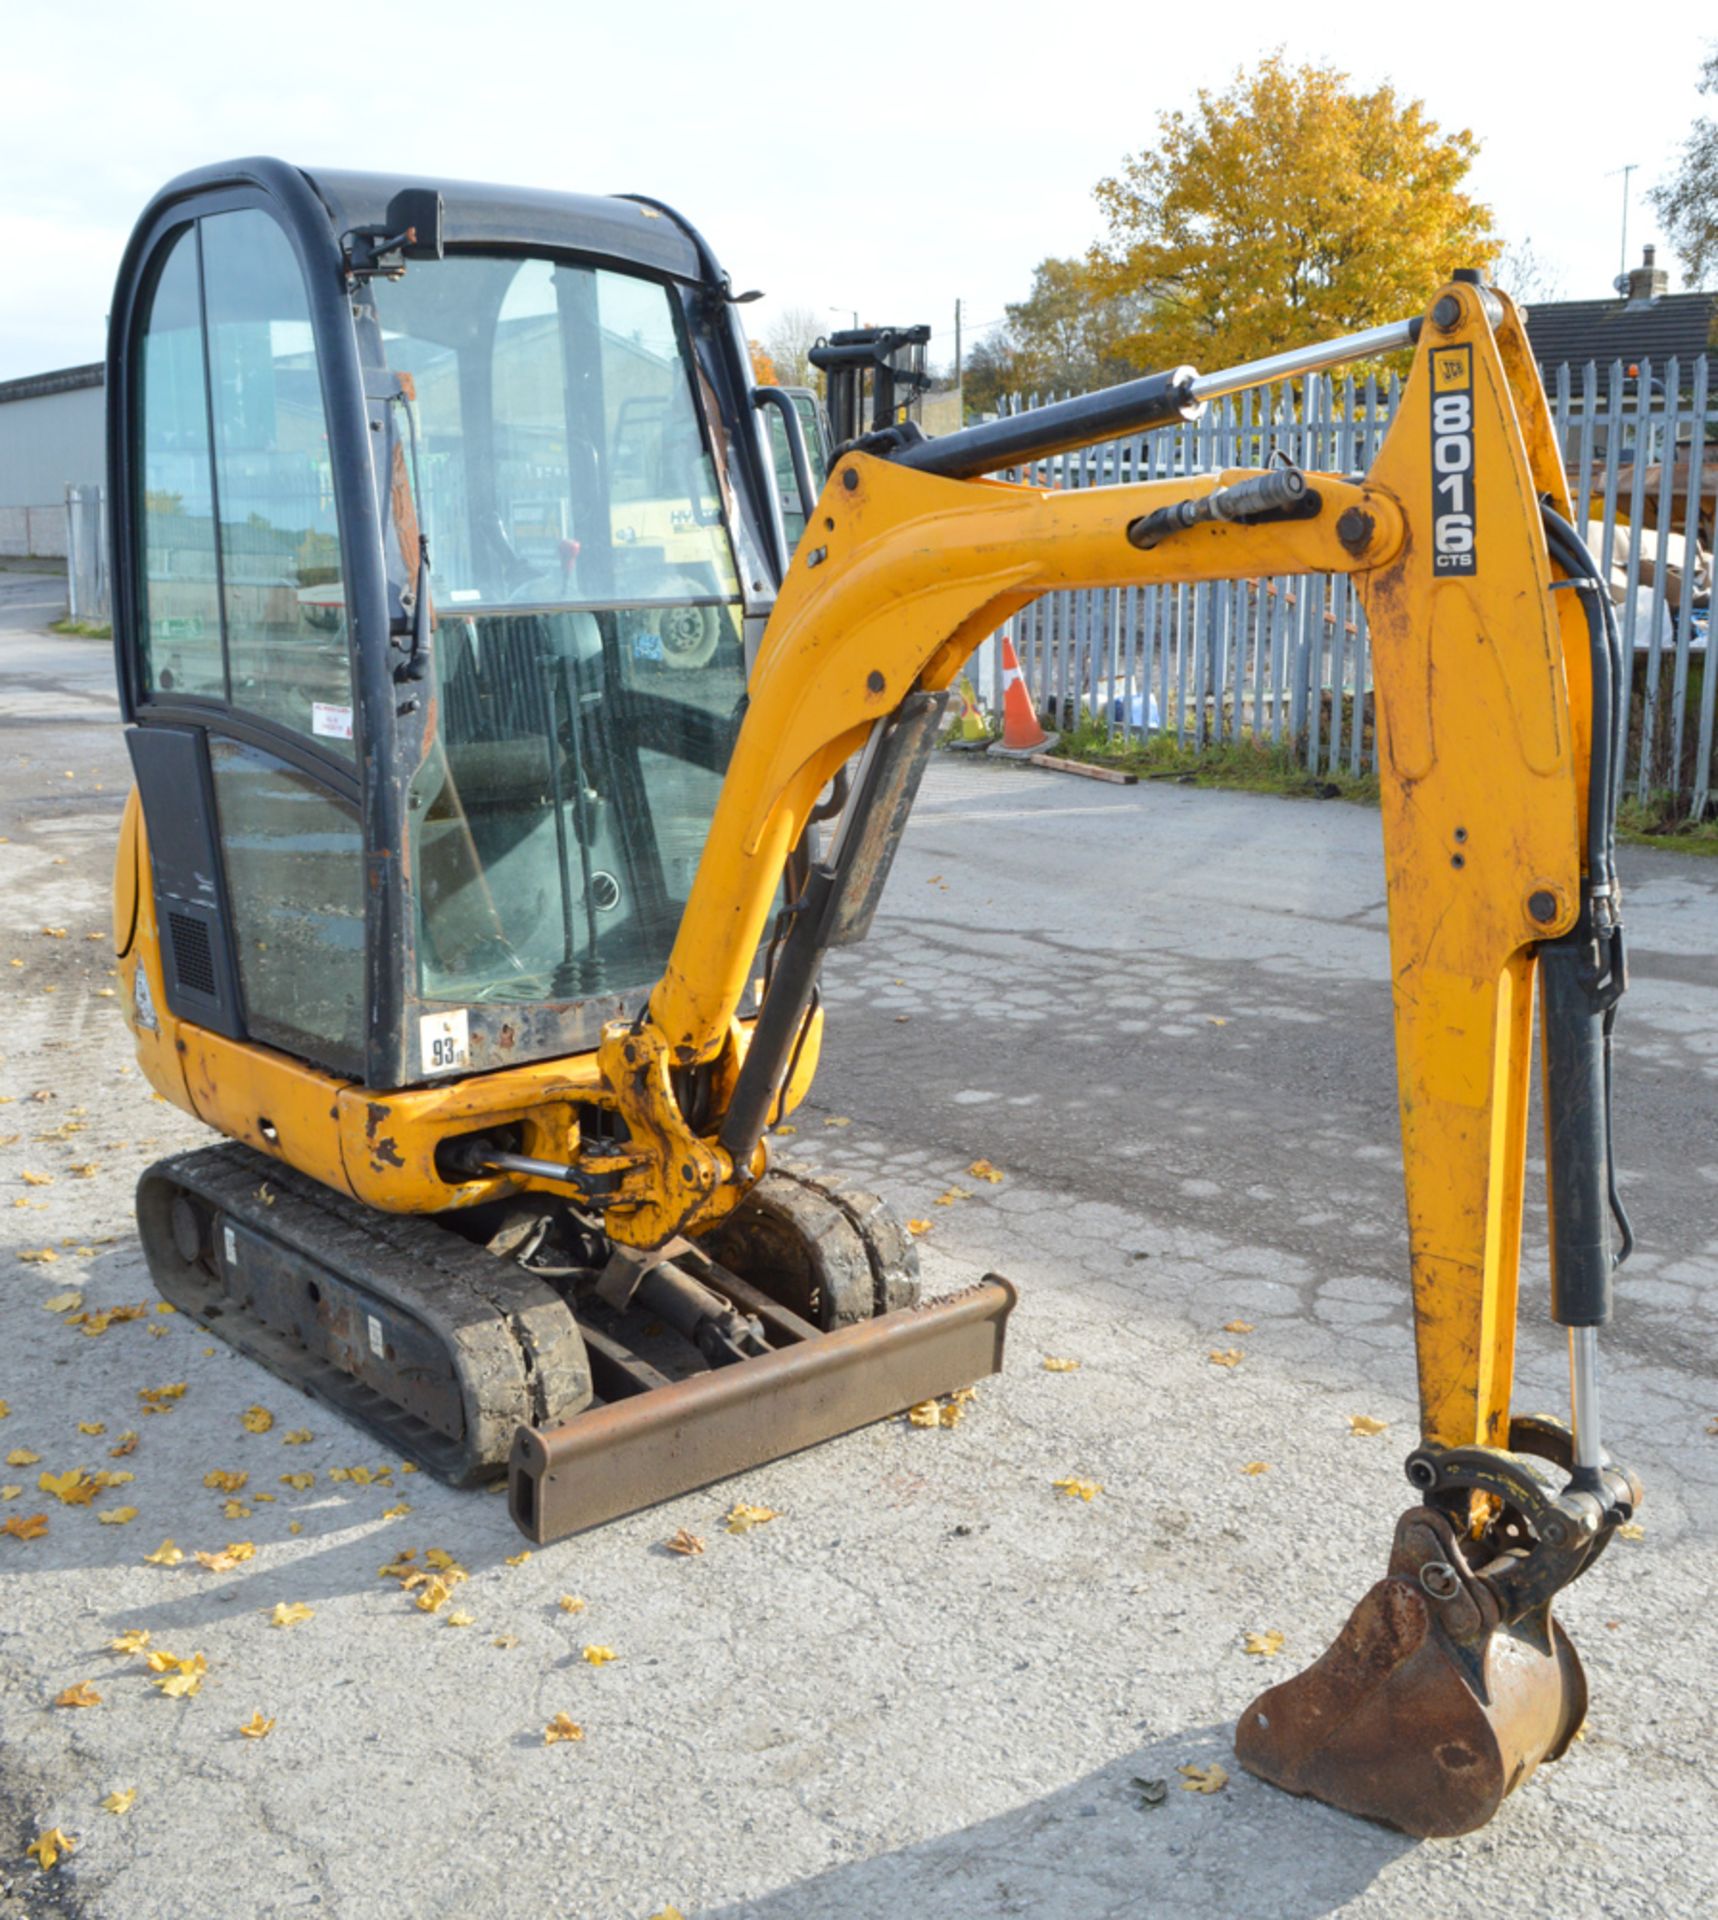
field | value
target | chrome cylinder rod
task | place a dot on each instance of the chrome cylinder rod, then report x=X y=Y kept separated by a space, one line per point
x=1368 y=345
x=1584 y=1396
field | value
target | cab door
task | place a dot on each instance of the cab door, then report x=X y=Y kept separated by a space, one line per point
x=236 y=653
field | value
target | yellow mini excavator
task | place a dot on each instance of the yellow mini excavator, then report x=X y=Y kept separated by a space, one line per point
x=503 y=775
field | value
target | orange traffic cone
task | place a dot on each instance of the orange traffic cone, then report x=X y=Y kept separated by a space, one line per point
x=1022 y=736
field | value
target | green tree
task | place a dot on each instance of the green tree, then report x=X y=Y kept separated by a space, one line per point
x=1687 y=202
x=1068 y=334
x=1287 y=208
x=990 y=372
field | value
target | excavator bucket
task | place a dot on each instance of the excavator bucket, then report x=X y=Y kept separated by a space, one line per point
x=1430 y=1707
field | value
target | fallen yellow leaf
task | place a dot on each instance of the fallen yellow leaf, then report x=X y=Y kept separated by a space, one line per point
x=10 y=1493
x=185 y=1678
x=92 y=1426
x=398 y=1512
x=224 y=1482
x=5 y=1411
x=82 y=1695
x=1632 y=1530
x=74 y=1488
x=1265 y=1645
x=1053 y=1365
x=837 y=1120
x=121 y=1802
x=432 y=1594
x=133 y=1640
x=518 y=1559
x=1237 y=1326
x=600 y=1656
x=918 y=1227
x=36 y=1179
x=983 y=1170
x=742 y=1517
x=951 y=1196
x=256 y=1727
x=440 y=1557
x=38 y=1256
x=1257 y=1467
x=299 y=1437
x=505 y=1641
x=118 y=1516
x=1364 y=1423
x=22 y=1457
x=1225 y=1356
x=299 y=1482
x=562 y=1727
x=25 y=1526
x=1078 y=1489
x=63 y=1303
x=165 y=1555
x=47 y=1847
x=461 y=1619
x=156 y=1396
x=288 y=1613
x=1211 y=1779
x=685 y=1541
x=570 y=1603
x=257 y=1420
x=127 y=1444
x=235 y=1554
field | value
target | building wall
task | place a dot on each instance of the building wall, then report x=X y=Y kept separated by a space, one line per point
x=49 y=442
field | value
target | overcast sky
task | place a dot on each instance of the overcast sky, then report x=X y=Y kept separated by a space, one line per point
x=885 y=158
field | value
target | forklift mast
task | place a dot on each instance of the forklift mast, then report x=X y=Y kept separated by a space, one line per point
x=882 y=365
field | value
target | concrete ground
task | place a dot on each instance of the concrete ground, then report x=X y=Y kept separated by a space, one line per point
x=929 y=1686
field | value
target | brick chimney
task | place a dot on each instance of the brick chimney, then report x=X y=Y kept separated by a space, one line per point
x=1647 y=282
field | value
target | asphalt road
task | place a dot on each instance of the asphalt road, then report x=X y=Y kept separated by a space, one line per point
x=928 y=1687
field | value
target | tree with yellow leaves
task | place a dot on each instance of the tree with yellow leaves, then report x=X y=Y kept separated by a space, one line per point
x=1286 y=209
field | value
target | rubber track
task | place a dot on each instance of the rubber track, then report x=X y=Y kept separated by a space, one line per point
x=514 y=1346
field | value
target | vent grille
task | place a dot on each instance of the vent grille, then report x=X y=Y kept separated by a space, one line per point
x=193 y=958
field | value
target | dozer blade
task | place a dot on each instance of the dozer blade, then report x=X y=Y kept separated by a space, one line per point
x=678 y=1437
x=1429 y=1708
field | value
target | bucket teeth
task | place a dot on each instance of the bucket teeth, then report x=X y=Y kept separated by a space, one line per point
x=1429 y=1708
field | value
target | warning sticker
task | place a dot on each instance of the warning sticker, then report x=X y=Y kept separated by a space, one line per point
x=334 y=723
x=1453 y=544
x=446 y=1041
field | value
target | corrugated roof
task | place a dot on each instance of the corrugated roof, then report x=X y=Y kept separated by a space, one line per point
x=36 y=386
x=1678 y=326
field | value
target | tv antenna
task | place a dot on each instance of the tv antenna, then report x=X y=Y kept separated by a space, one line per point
x=1622 y=280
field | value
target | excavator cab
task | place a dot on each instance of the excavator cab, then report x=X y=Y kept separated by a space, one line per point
x=439 y=565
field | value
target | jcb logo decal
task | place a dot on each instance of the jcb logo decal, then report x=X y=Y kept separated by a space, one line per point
x=1452 y=460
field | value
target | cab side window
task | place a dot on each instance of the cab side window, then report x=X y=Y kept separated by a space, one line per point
x=285 y=609
x=180 y=589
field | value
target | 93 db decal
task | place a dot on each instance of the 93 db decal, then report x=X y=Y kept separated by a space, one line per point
x=1452 y=460
x=445 y=1041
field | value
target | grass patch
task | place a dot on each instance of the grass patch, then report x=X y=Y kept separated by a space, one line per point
x=1256 y=766
x=1659 y=821
x=82 y=629
x=1248 y=765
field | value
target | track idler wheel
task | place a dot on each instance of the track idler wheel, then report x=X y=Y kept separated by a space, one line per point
x=1429 y=1708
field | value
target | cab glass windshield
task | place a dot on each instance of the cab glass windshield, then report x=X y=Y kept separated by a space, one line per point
x=545 y=425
